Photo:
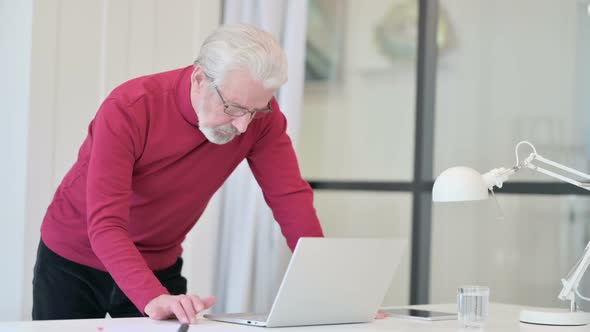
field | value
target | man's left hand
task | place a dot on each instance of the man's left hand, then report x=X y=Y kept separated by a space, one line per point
x=381 y=315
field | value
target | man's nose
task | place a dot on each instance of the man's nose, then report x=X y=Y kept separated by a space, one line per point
x=242 y=123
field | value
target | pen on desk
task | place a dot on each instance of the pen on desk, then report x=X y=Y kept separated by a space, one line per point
x=183 y=327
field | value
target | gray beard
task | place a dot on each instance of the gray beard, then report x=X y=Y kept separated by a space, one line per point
x=229 y=132
x=214 y=136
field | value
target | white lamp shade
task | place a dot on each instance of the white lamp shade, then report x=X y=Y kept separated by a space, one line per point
x=459 y=184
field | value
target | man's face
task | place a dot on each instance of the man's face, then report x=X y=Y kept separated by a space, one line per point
x=238 y=89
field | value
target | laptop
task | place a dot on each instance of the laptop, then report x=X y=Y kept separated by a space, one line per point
x=330 y=281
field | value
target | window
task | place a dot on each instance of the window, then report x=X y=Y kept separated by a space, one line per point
x=400 y=91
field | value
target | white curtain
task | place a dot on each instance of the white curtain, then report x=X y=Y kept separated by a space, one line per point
x=253 y=254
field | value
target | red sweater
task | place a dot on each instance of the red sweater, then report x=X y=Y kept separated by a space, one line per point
x=145 y=173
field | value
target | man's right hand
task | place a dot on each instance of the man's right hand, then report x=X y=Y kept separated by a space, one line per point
x=184 y=307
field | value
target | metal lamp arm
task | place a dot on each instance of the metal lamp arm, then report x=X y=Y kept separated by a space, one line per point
x=496 y=178
x=584 y=185
x=571 y=281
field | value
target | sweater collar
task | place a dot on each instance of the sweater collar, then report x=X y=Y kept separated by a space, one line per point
x=183 y=96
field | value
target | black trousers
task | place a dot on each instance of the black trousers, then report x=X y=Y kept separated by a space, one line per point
x=63 y=289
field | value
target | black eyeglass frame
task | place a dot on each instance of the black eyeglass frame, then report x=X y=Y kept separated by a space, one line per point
x=238 y=111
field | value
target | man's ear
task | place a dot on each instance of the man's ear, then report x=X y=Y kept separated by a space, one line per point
x=198 y=77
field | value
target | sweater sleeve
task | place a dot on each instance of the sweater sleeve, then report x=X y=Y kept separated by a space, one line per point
x=274 y=165
x=116 y=143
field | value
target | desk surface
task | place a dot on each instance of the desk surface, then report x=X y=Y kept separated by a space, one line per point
x=503 y=318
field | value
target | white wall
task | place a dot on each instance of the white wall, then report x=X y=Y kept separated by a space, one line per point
x=15 y=50
x=79 y=51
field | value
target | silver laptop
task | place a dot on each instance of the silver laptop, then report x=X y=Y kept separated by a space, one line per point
x=330 y=281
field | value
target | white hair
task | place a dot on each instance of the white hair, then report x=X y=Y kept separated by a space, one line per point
x=243 y=47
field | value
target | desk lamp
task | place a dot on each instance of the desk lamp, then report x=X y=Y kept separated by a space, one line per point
x=465 y=184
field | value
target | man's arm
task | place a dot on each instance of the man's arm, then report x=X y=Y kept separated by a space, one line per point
x=274 y=165
x=116 y=144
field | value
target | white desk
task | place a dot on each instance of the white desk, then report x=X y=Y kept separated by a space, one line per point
x=503 y=318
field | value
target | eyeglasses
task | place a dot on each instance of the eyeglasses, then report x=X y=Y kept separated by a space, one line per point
x=238 y=111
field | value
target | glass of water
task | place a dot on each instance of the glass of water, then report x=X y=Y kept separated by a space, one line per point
x=472 y=305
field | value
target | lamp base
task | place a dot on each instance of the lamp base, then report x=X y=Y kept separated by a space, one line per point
x=551 y=316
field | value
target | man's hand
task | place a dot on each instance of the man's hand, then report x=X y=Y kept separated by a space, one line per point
x=381 y=315
x=184 y=307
